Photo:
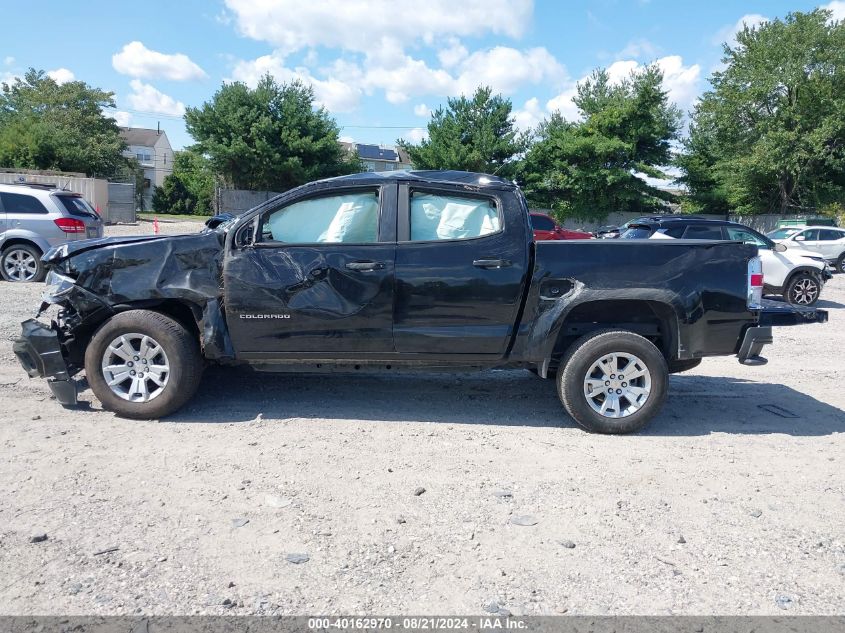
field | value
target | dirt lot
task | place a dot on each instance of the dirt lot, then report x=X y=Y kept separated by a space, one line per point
x=732 y=502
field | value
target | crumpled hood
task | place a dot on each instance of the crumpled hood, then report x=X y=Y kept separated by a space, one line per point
x=58 y=254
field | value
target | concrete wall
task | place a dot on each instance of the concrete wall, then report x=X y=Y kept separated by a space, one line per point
x=95 y=190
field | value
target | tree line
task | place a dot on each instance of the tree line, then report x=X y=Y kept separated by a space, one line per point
x=768 y=136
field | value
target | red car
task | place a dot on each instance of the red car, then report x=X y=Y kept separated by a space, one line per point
x=545 y=228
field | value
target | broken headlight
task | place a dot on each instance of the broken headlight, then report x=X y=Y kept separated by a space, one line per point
x=56 y=286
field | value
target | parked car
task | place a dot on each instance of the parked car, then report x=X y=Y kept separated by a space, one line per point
x=33 y=219
x=545 y=228
x=827 y=241
x=398 y=270
x=796 y=275
x=608 y=232
x=801 y=222
x=216 y=220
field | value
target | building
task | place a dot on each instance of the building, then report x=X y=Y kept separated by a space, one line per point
x=155 y=156
x=380 y=157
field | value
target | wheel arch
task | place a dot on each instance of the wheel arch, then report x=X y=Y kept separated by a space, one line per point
x=653 y=318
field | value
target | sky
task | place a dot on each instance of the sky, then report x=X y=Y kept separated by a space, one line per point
x=378 y=66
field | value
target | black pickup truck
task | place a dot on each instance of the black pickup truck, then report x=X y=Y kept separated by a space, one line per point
x=392 y=271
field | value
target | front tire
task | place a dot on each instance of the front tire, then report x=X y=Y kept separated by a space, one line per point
x=143 y=365
x=840 y=264
x=803 y=289
x=22 y=263
x=613 y=381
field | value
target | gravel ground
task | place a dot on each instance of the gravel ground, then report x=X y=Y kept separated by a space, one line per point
x=431 y=493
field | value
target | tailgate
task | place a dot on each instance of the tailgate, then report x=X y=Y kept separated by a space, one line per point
x=778 y=313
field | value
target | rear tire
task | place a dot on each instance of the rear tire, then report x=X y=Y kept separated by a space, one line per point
x=803 y=290
x=840 y=264
x=153 y=363
x=628 y=403
x=21 y=263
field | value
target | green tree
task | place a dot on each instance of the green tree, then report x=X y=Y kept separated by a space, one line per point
x=770 y=134
x=44 y=125
x=189 y=189
x=471 y=134
x=270 y=138
x=589 y=168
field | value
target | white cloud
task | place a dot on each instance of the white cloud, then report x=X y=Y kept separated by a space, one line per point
x=291 y=25
x=123 y=119
x=682 y=83
x=639 y=49
x=8 y=78
x=529 y=115
x=61 y=75
x=837 y=8
x=416 y=135
x=410 y=77
x=422 y=109
x=346 y=139
x=563 y=103
x=136 y=60
x=146 y=98
x=507 y=69
x=338 y=92
x=727 y=34
x=453 y=54
x=8 y=60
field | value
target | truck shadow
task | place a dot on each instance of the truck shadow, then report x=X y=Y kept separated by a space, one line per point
x=697 y=405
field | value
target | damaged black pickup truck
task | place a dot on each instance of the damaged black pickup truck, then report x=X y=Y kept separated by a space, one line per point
x=392 y=271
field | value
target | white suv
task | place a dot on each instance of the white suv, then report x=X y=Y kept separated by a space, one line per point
x=828 y=241
x=33 y=219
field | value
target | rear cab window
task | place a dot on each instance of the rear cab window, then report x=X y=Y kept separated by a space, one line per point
x=21 y=203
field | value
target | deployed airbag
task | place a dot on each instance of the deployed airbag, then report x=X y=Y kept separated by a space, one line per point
x=438 y=217
x=351 y=218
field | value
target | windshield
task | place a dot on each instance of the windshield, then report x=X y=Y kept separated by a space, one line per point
x=636 y=232
x=782 y=234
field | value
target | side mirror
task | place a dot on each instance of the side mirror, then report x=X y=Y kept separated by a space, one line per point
x=780 y=248
x=800 y=238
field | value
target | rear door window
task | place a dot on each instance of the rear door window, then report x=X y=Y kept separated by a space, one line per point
x=21 y=203
x=703 y=232
x=437 y=216
x=828 y=235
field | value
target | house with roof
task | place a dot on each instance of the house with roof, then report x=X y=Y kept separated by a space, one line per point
x=152 y=150
x=380 y=157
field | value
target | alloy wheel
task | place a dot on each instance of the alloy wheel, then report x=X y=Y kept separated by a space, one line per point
x=135 y=367
x=20 y=265
x=617 y=385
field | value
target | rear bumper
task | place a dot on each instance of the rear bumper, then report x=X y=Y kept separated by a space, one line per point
x=773 y=314
x=40 y=354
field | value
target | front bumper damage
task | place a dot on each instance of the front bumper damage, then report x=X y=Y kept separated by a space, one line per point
x=40 y=354
x=773 y=314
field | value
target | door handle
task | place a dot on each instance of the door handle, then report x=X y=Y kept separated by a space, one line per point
x=491 y=263
x=365 y=266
